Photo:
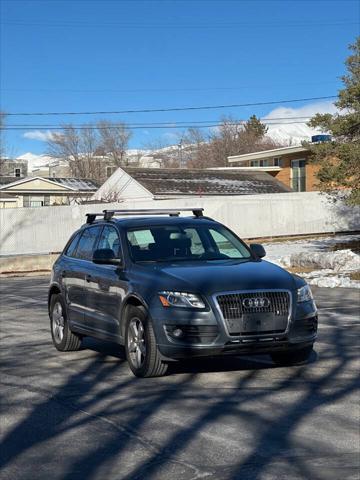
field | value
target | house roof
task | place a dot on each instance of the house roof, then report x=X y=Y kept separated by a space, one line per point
x=6 y=197
x=72 y=184
x=122 y=185
x=4 y=180
x=82 y=184
x=275 y=152
x=169 y=182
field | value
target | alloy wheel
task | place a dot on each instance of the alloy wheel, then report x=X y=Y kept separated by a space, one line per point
x=58 y=322
x=136 y=342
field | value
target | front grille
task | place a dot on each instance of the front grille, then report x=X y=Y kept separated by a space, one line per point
x=257 y=312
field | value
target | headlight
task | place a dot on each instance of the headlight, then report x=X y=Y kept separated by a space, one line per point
x=304 y=294
x=181 y=299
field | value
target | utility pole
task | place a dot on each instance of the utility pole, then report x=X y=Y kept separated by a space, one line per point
x=181 y=160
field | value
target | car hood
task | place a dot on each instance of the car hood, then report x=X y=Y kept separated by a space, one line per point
x=221 y=276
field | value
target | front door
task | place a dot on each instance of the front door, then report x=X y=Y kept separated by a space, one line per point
x=105 y=288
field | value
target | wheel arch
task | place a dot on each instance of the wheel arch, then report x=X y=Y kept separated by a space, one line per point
x=54 y=290
x=131 y=301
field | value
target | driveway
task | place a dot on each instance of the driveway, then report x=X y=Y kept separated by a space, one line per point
x=83 y=415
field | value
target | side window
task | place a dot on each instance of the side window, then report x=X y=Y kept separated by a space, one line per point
x=87 y=243
x=224 y=245
x=110 y=239
x=196 y=247
x=70 y=251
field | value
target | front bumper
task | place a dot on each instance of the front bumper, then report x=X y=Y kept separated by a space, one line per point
x=301 y=332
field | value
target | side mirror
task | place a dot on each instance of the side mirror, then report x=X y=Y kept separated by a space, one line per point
x=258 y=250
x=105 y=256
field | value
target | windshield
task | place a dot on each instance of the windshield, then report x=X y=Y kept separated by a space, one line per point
x=181 y=243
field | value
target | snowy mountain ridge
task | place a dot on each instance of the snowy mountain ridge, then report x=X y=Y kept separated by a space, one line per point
x=285 y=134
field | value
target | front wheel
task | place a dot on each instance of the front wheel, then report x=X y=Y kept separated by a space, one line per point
x=141 y=350
x=296 y=357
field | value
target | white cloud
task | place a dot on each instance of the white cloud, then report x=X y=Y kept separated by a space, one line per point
x=305 y=111
x=293 y=131
x=40 y=135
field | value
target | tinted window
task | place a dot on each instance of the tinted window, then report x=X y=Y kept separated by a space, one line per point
x=196 y=246
x=224 y=244
x=70 y=251
x=177 y=243
x=87 y=242
x=110 y=239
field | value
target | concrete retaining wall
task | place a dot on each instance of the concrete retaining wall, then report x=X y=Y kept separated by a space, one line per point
x=26 y=263
x=46 y=229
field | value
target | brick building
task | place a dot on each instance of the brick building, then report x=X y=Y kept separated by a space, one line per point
x=289 y=165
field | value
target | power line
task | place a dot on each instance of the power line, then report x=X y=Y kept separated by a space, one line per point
x=161 y=124
x=178 y=26
x=140 y=90
x=127 y=127
x=172 y=109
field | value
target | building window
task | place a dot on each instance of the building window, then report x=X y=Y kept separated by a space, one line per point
x=17 y=172
x=36 y=200
x=272 y=162
x=261 y=163
x=110 y=171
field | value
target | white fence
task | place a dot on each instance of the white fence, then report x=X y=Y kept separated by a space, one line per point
x=46 y=229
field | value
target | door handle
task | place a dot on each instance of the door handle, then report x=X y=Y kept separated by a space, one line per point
x=88 y=278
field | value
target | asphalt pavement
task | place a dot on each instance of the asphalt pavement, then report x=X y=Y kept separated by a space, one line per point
x=83 y=415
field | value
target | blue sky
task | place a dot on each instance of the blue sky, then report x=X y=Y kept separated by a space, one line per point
x=89 y=55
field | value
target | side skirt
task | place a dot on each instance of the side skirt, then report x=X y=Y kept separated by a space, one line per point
x=92 y=332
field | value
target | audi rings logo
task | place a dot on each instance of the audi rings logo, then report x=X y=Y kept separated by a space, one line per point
x=256 y=302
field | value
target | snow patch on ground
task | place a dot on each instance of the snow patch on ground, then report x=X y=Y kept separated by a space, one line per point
x=331 y=268
x=339 y=261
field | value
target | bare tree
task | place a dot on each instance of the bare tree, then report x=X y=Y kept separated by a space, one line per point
x=160 y=150
x=114 y=141
x=111 y=196
x=231 y=137
x=89 y=149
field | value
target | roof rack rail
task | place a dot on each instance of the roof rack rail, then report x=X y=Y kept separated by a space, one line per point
x=172 y=212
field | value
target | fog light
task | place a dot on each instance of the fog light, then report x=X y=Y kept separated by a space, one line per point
x=177 y=332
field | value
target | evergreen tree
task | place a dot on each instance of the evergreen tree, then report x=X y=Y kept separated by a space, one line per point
x=255 y=128
x=339 y=160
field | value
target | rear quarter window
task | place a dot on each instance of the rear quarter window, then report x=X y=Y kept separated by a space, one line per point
x=71 y=248
x=87 y=243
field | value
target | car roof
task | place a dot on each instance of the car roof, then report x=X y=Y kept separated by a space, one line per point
x=146 y=221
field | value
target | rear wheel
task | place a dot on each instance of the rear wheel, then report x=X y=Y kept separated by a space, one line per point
x=63 y=338
x=296 y=357
x=142 y=352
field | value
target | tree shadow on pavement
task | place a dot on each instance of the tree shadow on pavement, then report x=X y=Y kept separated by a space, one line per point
x=136 y=436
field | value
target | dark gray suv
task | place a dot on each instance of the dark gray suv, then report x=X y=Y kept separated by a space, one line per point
x=169 y=288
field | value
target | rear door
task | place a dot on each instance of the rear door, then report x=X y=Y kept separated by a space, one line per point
x=78 y=261
x=72 y=282
x=105 y=288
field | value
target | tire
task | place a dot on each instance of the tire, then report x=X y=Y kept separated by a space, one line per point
x=296 y=357
x=63 y=338
x=141 y=349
